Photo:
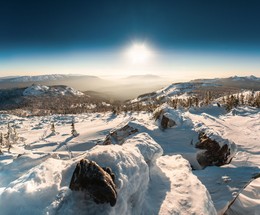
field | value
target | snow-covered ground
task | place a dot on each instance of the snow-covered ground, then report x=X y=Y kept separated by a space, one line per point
x=152 y=173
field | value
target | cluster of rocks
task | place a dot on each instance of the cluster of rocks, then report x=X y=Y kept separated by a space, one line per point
x=213 y=153
x=98 y=182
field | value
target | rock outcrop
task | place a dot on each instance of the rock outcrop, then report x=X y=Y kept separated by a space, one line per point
x=167 y=122
x=167 y=117
x=96 y=181
x=213 y=153
x=118 y=136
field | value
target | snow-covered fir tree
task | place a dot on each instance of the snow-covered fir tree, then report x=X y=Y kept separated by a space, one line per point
x=53 y=128
x=73 y=130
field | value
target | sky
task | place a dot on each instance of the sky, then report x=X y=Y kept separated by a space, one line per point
x=183 y=39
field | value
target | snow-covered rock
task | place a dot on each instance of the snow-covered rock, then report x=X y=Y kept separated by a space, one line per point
x=119 y=135
x=149 y=149
x=167 y=117
x=215 y=150
x=131 y=177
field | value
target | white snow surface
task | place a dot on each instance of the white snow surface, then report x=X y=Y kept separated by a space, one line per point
x=152 y=173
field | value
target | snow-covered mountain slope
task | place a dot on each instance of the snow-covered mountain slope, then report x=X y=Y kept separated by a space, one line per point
x=178 y=90
x=231 y=79
x=245 y=78
x=148 y=182
x=37 y=89
x=199 y=88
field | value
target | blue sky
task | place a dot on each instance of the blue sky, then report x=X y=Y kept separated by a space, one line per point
x=187 y=39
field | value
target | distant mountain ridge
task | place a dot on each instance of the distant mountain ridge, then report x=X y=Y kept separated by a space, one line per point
x=41 y=78
x=122 y=89
x=131 y=86
x=232 y=78
x=199 y=87
x=79 y=82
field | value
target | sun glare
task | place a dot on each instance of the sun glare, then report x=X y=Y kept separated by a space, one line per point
x=139 y=53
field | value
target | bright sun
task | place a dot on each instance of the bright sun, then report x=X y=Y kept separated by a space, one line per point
x=139 y=53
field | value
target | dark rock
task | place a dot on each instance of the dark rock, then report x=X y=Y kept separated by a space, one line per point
x=166 y=122
x=96 y=181
x=119 y=136
x=213 y=153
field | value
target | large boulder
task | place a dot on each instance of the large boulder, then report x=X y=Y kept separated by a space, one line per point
x=96 y=181
x=213 y=152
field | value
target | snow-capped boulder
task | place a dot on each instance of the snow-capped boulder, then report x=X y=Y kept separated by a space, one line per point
x=167 y=122
x=95 y=181
x=119 y=135
x=131 y=176
x=214 y=149
x=168 y=117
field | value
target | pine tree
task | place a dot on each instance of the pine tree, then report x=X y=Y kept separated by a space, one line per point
x=208 y=97
x=1 y=138
x=7 y=137
x=53 y=128
x=251 y=99
x=196 y=102
x=14 y=136
x=257 y=100
x=73 y=130
x=242 y=99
